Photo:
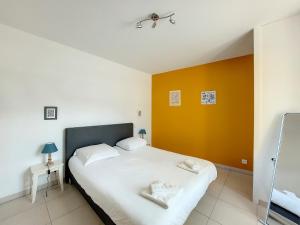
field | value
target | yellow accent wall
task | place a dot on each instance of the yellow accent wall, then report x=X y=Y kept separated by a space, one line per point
x=221 y=133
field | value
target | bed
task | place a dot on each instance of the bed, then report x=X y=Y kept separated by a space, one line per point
x=112 y=186
x=286 y=204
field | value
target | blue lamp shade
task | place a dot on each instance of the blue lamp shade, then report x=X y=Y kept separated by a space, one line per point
x=49 y=148
x=142 y=131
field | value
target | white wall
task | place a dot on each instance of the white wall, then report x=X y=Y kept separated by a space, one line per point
x=88 y=90
x=277 y=90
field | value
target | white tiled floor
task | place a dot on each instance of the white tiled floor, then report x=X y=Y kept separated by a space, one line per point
x=227 y=202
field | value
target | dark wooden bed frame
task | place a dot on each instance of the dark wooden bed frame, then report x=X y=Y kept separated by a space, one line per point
x=78 y=137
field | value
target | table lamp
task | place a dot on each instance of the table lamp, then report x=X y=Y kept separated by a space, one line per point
x=48 y=149
x=142 y=132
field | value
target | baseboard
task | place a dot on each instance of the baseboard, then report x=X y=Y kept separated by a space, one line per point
x=26 y=192
x=238 y=170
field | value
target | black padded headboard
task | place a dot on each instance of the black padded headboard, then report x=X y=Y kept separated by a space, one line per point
x=78 y=137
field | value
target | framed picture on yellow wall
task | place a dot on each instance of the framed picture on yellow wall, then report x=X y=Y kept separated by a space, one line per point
x=175 y=98
x=208 y=97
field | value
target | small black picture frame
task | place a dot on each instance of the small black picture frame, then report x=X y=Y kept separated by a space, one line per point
x=50 y=113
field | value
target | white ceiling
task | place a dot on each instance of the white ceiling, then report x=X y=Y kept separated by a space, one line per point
x=205 y=30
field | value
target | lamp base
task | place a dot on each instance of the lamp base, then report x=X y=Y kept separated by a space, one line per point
x=50 y=162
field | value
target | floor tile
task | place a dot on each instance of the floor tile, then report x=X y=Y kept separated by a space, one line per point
x=55 y=192
x=222 y=175
x=206 y=204
x=216 y=186
x=212 y=222
x=35 y=216
x=65 y=204
x=240 y=182
x=238 y=198
x=196 y=219
x=227 y=214
x=215 y=189
x=18 y=205
x=83 y=215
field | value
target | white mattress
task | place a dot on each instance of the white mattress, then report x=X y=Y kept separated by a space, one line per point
x=287 y=200
x=114 y=184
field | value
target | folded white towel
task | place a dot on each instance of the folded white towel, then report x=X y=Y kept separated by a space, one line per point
x=190 y=165
x=159 y=188
x=161 y=193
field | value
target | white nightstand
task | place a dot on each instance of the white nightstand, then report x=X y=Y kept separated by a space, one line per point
x=42 y=169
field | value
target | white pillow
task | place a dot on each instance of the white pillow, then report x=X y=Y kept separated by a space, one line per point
x=131 y=143
x=94 y=153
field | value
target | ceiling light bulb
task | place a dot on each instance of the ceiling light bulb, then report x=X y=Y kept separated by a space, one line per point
x=172 y=21
x=139 y=25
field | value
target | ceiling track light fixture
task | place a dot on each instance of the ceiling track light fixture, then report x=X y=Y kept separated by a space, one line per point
x=155 y=17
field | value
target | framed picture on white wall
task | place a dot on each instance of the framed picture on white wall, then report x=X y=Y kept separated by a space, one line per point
x=50 y=113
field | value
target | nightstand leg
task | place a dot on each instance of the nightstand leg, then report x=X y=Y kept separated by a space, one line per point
x=61 y=181
x=34 y=188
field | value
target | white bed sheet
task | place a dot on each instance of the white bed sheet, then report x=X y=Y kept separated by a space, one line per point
x=114 y=184
x=287 y=200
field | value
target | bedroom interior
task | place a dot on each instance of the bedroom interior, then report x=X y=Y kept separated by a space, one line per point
x=157 y=113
